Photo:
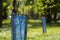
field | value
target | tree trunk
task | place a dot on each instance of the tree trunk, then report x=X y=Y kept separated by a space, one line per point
x=15 y=6
x=5 y=13
x=55 y=15
x=48 y=16
x=55 y=11
x=1 y=10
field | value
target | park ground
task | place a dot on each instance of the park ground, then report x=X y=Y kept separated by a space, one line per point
x=34 y=31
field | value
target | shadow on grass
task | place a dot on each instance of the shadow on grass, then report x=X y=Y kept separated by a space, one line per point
x=5 y=25
x=53 y=25
x=37 y=25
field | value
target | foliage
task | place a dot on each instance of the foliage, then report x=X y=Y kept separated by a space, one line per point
x=38 y=6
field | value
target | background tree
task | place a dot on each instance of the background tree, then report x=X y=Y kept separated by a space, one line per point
x=1 y=12
x=6 y=4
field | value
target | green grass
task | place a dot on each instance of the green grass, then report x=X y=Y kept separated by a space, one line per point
x=35 y=32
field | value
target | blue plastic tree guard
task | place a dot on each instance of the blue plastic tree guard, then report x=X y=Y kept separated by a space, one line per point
x=44 y=24
x=19 y=27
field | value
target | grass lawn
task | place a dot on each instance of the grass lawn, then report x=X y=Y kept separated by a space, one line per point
x=37 y=34
x=34 y=32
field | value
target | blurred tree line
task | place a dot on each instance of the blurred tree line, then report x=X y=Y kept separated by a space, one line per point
x=34 y=9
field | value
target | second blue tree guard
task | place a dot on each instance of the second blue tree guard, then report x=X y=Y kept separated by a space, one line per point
x=19 y=27
x=44 y=24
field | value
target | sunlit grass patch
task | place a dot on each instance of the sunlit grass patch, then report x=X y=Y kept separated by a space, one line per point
x=5 y=35
x=37 y=34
